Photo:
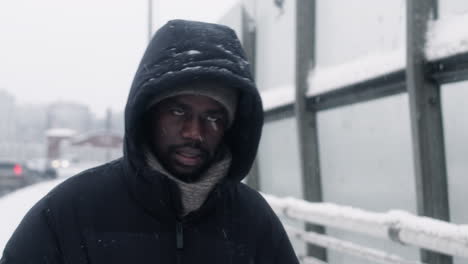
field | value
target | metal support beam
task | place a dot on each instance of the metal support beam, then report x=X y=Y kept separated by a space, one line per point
x=382 y=86
x=280 y=113
x=249 y=37
x=426 y=122
x=450 y=70
x=306 y=120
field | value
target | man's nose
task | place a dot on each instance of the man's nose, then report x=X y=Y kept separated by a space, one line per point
x=192 y=129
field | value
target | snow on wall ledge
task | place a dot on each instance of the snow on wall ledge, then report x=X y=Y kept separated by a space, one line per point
x=446 y=37
x=394 y=225
x=277 y=97
x=323 y=79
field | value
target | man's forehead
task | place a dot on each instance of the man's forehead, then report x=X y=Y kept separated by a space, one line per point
x=191 y=100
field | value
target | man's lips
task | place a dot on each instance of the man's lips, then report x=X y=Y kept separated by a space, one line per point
x=189 y=156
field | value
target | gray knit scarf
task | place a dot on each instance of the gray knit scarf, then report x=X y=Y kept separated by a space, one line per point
x=194 y=194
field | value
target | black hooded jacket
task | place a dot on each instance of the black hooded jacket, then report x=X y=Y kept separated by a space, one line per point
x=124 y=212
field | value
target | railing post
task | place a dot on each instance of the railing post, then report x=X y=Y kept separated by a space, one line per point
x=306 y=120
x=426 y=123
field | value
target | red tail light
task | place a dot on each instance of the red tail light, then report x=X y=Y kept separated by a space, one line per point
x=18 y=170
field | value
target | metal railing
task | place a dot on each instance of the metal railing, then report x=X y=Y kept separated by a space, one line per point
x=396 y=226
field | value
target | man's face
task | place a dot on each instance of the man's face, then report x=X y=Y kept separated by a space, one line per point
x=187 y=131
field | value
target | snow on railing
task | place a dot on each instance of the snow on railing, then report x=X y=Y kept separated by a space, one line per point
x=374 y=255
x=397 y=226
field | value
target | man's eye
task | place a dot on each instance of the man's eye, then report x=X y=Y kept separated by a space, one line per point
x=212 y=118
x=177 y=111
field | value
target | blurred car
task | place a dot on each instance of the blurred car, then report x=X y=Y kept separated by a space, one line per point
x=43 y=168
x=50 y=173
x=14 y=175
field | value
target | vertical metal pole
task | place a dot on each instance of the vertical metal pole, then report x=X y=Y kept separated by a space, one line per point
x=249 y=42
x=435 y=9
x=426 y=122
x=306 y=120
x=249 y=38
x=150 y=20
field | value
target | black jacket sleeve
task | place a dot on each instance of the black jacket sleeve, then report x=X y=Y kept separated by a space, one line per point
x=34 y=240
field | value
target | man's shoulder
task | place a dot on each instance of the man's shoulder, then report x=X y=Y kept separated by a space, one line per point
x=89 y=182
x=252 y=200
x=248 y=192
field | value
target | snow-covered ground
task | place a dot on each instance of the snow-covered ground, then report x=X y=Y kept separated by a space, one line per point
x=16 y=204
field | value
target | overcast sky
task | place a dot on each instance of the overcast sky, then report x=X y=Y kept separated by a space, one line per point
x=84 y=51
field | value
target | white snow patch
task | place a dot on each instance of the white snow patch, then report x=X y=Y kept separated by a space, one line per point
x=193 y=52
x=223 y=48
x=241 y=60
x=15 y=205
x=191 y=68
x=323 y=79
x=277 y=97
x=447 y=37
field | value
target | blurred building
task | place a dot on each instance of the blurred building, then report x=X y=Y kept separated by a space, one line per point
x=83 y=138
x=7 y=116
x=97 y=146
x=31 y=123
x=37 y=132
x=113 y=120
x=66 y=146
x=21 y=129
x=69 y=115
x=56 y=137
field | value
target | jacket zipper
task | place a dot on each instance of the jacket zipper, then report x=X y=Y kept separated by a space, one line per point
x=179 y=241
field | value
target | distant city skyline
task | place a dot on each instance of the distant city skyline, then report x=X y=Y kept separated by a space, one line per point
x=23 y=127
x=85 y=52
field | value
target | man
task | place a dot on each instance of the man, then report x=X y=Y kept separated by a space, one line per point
x=192 y=126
